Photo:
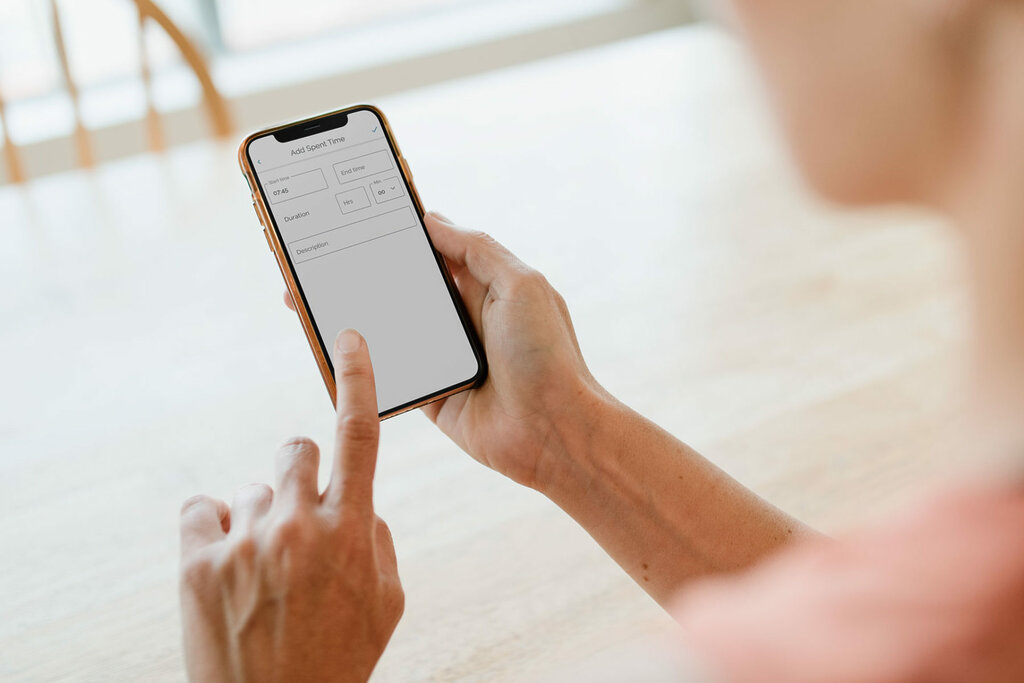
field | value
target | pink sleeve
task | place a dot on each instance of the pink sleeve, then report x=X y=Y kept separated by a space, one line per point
x=936 y=594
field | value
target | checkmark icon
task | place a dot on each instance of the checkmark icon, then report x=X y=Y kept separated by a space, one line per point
x=374 y=129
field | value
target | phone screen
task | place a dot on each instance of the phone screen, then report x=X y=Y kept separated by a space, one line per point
x=361 y=256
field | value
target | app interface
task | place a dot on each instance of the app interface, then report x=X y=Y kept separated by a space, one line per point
x=361 y=255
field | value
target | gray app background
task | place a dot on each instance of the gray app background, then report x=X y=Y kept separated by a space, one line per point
x=362 y=257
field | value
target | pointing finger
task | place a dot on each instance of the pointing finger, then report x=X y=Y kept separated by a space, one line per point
x=358 y=428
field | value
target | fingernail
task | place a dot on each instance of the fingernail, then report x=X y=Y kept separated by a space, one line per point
x=441 y=217
x=348 y=341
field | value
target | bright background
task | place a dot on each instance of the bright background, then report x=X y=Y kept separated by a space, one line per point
x=145 y=353
x=272 y=60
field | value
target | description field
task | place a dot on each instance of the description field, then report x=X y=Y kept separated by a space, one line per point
x=350 y=235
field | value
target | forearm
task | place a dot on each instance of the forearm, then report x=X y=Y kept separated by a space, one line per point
x=662 y=511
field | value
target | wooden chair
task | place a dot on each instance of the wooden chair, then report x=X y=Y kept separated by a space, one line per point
x=11 y=157
x=214 y=103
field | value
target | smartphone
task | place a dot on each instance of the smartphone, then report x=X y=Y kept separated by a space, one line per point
x=342 y=217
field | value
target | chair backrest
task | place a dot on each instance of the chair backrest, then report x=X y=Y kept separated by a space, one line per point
x=11 y=157
x=213 y=102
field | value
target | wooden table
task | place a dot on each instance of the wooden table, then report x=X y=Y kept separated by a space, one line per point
x=145 y=356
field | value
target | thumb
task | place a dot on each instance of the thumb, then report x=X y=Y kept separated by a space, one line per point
x=486 y=260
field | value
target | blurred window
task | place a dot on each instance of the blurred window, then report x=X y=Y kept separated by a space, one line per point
x=102 y=35
x=254 y=46
x=249 y=24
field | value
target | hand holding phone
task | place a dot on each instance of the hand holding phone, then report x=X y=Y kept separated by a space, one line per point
x=344 y=221
x=539 y=388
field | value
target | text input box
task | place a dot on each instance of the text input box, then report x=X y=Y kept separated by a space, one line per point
x=353 y=200
x=362 y=166
x=352 y=234
x=289 y=186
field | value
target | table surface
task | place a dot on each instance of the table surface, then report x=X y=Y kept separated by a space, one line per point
x=146 y=356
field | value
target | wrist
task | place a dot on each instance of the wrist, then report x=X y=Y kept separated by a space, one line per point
x=579 y=425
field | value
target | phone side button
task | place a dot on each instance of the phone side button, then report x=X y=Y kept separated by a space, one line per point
x=405 y=165
x=267 y=236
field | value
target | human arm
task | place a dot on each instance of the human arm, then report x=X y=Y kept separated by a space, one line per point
x=662 y=511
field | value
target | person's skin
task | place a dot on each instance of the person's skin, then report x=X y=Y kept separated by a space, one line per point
x=663 y=512
x=292 y=584
x=920 y=102
x=917 y=101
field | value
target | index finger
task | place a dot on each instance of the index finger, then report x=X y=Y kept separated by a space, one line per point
x=358 y=428
x=484 y=257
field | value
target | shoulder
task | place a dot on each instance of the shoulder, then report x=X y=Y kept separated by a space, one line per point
x=934 y=593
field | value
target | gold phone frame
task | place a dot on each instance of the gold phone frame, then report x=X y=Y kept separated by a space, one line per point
x=277 y=247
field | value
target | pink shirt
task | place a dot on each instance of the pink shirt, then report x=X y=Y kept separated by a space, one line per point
x=935 y=594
